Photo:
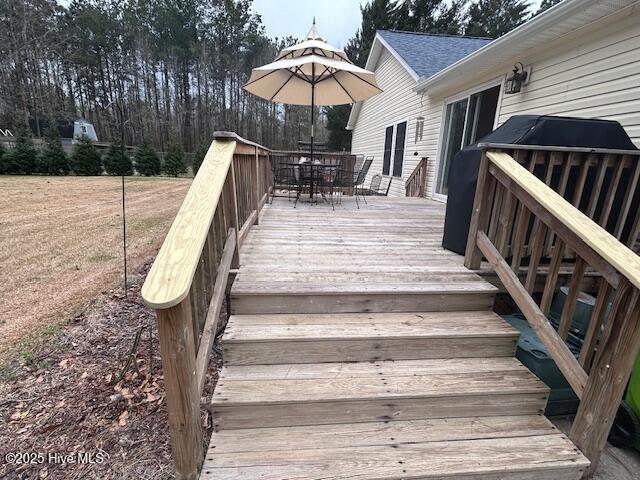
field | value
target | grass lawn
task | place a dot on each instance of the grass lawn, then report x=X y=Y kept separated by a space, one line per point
x=61 y=245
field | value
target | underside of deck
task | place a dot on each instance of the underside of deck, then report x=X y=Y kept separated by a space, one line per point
x=358 y=348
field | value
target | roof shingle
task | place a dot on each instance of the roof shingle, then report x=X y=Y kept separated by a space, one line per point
x=427 y=53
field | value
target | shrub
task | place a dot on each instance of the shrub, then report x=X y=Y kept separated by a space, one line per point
x=85 y=159
x=22 y=158
x=2 y=154
x=147 y=161
x=53 y=159
x=115 y=163
x=174 y=161
x=198 y=157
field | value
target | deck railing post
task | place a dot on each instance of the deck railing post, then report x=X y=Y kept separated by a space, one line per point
x=480 y=215
x=608 y=377
x=255 y=187
x=183 y=400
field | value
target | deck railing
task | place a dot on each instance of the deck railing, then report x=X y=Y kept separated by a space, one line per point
x=189 y=279
x=523 y=203
x=416 y=184
x=601 y=183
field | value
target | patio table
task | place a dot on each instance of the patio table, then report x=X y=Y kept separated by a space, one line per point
x=310 y=174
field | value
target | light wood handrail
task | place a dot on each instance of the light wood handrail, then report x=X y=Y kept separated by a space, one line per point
x=170 y=276
x=192 y=274
x=509 y=201
x=614 y=252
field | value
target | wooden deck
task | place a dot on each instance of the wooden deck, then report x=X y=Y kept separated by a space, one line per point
x=358 y=348
x=384 y=256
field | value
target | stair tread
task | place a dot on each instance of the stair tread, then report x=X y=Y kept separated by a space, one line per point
x=385 y=368
x=313 y=327
x=371 y=283
x=235 y=389
x=482 y=447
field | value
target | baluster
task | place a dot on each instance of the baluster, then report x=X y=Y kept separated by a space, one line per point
x=612 y=190
x=596 y=188
x=595 y=324
x=538 y=235
x=552 y=276
x=572 y=298
x=567 y=164
x=628 y=196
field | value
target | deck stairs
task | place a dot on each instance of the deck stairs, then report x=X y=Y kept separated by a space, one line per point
x=363 y=370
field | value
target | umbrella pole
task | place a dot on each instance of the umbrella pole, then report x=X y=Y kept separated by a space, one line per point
x=313 y=101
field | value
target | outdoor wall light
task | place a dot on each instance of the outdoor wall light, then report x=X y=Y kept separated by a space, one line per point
x=517 y=79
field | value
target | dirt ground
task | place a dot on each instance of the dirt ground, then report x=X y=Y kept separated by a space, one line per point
x=61 y=245
x=89 y=402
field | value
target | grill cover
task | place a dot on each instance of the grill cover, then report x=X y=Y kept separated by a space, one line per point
x=519 y=130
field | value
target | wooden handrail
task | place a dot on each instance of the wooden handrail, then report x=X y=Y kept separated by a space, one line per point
x=170 y=276
x=508 y=190
x=192 y=273
x=416 y=184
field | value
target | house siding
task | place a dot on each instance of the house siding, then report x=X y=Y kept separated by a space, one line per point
x=594 y=76
x=592 y=73
x=397 y=103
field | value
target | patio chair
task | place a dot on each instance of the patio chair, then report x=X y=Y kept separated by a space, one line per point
x=283 y=176
x=380 y=185
x=354 y=180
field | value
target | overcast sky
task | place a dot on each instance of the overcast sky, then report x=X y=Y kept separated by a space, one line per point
x=337 y=20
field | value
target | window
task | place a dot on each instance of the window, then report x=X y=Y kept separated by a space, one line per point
x=386 y=159
x=419 y=129
x=83 y=129
x=398 y=157
x=394 y=149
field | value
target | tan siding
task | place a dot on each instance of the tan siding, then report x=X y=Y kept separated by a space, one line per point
x=398 y=102
x=593 y=75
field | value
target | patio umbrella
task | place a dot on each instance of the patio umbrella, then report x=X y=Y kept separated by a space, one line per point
x=312 y=73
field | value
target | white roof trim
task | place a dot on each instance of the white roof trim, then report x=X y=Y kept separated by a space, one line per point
x=537 y=31
x=374 y=55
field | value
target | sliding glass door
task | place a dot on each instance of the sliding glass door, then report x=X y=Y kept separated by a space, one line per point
x=465 y=122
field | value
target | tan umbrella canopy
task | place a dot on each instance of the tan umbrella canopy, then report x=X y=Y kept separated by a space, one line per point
x=312 y=73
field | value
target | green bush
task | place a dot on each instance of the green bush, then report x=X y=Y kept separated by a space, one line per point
x=174 y=161
x=53 y=159
x=198 y=157
x=85 y=159
x=2 y=165
x=115 y=163
x=147 y=161
x=23 y=157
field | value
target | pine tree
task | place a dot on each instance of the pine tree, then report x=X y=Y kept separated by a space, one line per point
x=174 y=160
x=198 y=157
x=339 y=136
x=546 y=5
x=85 y=159
x=3 y=167
x=115 y=163
x=494 y=18
x=53 y=159
x=147 y=161
x=23 y=157
x=430 y=16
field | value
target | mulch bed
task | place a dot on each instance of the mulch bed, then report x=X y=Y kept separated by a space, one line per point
x=72 y=410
